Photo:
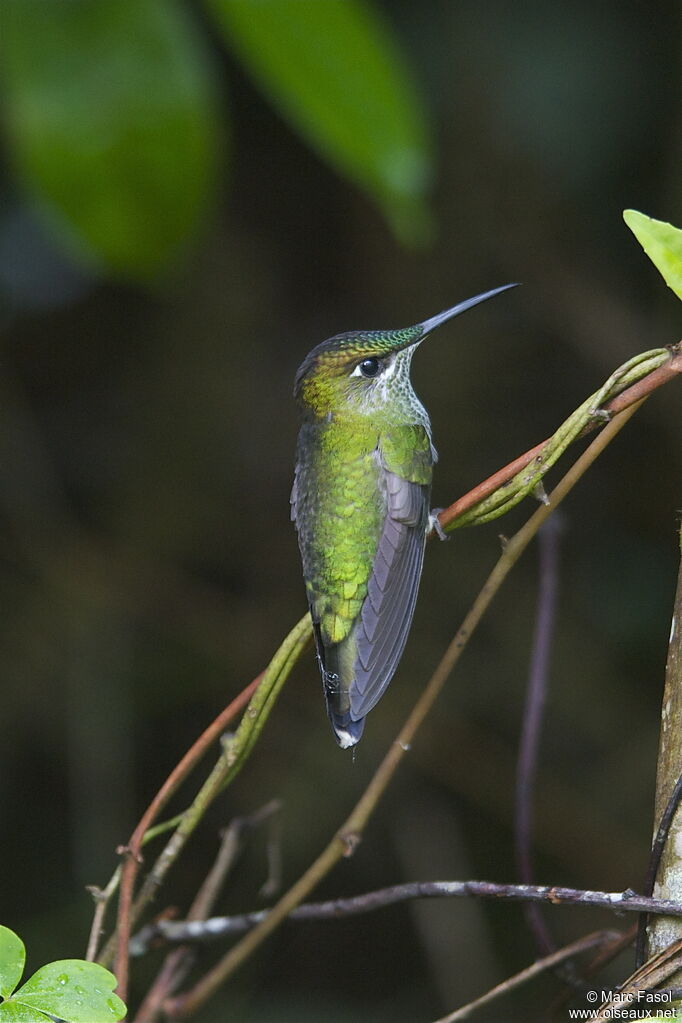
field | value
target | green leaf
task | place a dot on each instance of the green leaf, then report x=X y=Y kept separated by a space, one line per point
x=73 y=990
x=663 y=245
x=111 y=120
x=13 y=1012
x=336 y=72
x=12 y=961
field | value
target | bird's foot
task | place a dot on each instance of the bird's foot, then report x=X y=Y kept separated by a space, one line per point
x=434 y=524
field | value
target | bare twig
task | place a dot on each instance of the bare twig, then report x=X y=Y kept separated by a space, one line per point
x=548 y=547
x=178 y=963
x=103 y=896
x=169 y=787
x=348 y=836
x=599 y=939
x=235 y=753
x=216 y=928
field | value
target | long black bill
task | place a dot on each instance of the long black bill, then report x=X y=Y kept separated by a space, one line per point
x=461 y=307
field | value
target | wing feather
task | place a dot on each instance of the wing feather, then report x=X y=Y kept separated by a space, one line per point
x=381 y=630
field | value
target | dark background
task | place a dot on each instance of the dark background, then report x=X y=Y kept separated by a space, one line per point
x=149 y=568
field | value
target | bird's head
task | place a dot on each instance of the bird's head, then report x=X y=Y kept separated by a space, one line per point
x=365 y=369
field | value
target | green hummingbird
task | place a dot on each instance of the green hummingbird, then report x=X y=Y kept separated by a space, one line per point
x=360 y=502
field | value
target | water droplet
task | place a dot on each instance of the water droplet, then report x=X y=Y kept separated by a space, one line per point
x=63 y=978
x=79 y=990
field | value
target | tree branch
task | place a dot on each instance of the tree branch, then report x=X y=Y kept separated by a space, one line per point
x=215 y=928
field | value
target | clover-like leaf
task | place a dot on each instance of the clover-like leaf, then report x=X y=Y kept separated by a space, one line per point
x=15 y=1012
x=73 y=990
x=663 y=245
x=12 y=961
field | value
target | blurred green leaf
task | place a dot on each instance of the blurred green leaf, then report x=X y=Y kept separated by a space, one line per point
x=662 y=243
x=336 y=72
x=73 y=990
x=12 y=960
x=112 y=124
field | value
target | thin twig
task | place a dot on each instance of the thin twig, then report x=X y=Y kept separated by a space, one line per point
x=169 y=787
x=599 y=938
x=179 y=962
x=103 y=896
x=234 y=754
x=217 y=928
x=548 y=549
x=348 y=836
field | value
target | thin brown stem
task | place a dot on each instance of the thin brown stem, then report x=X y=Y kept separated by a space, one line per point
x=598 y=939
x=179 y=962
x=536 y=693
x=133 y=849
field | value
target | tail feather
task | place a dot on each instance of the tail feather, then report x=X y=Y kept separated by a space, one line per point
x=337 y=663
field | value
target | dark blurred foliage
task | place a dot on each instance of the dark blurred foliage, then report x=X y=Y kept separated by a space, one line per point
x=149 y=568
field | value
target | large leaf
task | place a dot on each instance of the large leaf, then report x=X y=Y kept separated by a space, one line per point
x=72 y=990
x=335 y=70
x=110 y=112
x=662 y=243
x=12 y=960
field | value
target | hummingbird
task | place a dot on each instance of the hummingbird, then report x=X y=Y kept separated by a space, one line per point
x=361 y=506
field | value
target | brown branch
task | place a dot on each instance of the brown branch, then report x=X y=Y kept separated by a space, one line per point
x=179 y=962
x=205 y=931
x=132 y=851
x=599 y=939
x=644 y=387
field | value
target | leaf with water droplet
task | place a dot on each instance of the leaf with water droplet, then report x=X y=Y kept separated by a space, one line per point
x=12 y=960
x=70 y=989
x=663 y=245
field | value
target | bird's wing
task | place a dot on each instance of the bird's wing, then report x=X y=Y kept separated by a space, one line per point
x=381 y=630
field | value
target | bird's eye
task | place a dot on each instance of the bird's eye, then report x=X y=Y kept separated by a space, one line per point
x=369 y=367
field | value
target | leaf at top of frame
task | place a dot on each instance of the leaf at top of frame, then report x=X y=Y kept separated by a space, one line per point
x=336 y=72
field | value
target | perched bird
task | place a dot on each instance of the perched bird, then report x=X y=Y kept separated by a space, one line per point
x=360 y=502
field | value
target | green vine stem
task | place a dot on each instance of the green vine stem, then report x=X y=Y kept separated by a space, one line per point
x=234 y=754
x=589 y=414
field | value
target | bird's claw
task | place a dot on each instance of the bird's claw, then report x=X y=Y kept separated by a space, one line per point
x=434 y=524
